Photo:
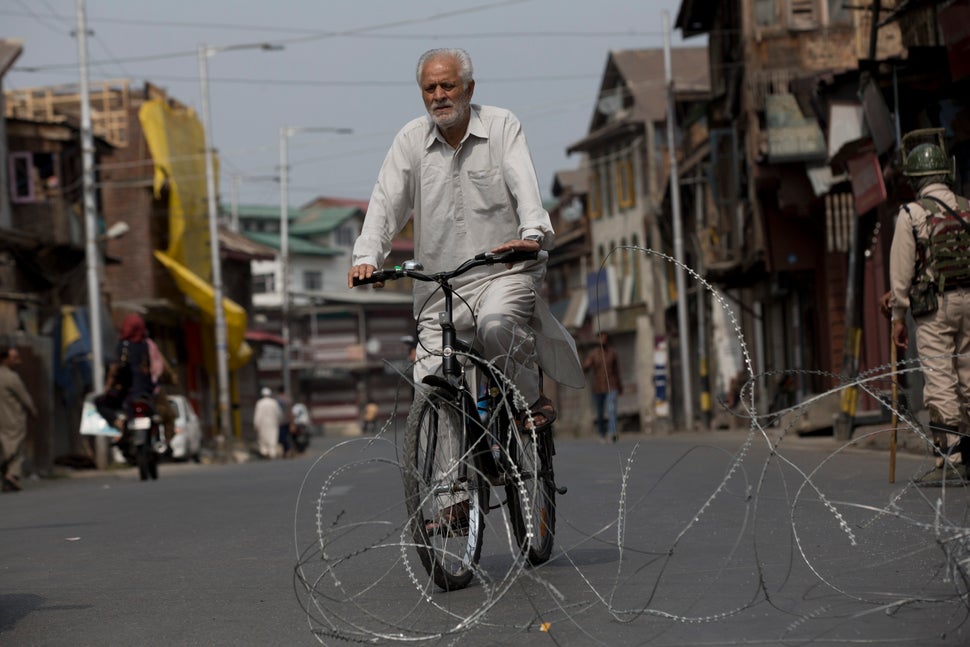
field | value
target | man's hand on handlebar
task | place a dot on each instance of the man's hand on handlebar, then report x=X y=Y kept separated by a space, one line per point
x=364 y=271
x=517 y=245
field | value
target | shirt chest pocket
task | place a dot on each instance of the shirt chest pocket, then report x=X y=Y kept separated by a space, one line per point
x=486 y=191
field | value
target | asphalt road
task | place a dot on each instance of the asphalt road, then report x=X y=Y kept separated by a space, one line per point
x=687 y=539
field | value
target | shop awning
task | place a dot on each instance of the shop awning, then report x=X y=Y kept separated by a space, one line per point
x=263 y=337
x=203 y=294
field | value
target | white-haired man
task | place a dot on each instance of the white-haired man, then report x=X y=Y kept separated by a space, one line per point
x=466 y=174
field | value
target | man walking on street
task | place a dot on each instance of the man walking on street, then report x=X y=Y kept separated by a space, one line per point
x=267 y=418
x=929 y=271
x=607 y=385
x=15 y=404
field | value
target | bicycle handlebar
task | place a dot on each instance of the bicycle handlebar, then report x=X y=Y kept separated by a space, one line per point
x=485 y=258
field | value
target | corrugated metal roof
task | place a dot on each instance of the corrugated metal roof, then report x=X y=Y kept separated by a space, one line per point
x=262 y=212
x=323 y=221
x=324 y=202
x=644 y=75
x=296 y=246
x=637 y=77
x=575 y=181
x=240 y=246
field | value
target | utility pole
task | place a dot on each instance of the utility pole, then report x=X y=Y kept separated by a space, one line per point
x=681 y=274
x=703 y=362
x=222 y=345
x=234 y=205
x=218 y=306
x=285 y=133
x=91 y=251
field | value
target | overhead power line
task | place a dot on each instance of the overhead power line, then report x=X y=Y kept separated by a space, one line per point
x=301 y=39
x=209 y=26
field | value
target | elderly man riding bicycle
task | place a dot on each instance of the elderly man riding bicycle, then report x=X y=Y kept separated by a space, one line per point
x=466 y=174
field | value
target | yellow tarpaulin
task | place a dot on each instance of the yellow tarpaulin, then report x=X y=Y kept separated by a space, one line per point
x=202 y=293
x=176 y=141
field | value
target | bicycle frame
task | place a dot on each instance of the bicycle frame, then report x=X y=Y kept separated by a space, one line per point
x=452 y=372
x=438 y=476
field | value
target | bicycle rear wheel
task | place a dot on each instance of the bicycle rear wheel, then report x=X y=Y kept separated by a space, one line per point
x=531 y=494
x=435 y=482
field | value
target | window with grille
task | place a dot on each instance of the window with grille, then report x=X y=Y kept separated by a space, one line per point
x=264 y=283
x=839 y=13
x=625 y=191
x=802 y=14
x=608 y=174
x=595 y=195
x=312 y=280
x=345 y=237
x=765 y=13
x=34 y=177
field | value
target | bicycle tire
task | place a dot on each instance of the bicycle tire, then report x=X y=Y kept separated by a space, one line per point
x=531 y=494
x=450 y=558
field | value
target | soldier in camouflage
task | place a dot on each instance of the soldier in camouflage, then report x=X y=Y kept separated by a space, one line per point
x=930 y=275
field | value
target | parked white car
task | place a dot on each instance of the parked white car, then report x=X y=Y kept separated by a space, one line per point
x=187 y=441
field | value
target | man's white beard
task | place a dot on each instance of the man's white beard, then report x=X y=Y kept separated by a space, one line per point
x=459 y=110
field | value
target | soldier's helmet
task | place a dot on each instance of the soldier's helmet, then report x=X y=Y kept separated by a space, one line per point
x=926 y=159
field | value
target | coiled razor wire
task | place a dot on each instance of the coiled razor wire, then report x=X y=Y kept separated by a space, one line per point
x=358 y=579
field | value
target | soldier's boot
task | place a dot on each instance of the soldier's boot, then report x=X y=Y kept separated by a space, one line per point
x=964 y=447
x=945 y=470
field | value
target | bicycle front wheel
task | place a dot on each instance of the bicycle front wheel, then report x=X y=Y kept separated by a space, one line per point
x=444 y=492
x=531 y=494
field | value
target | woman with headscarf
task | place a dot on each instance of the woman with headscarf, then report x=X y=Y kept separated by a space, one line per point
x=132 y=366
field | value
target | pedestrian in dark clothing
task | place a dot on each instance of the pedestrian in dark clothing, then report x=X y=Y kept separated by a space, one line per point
x=285 y=421
x=607 y=385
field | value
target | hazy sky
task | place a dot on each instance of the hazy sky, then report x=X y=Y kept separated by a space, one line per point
x=346 y=64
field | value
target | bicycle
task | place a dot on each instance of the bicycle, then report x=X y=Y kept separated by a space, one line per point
x=493 y=451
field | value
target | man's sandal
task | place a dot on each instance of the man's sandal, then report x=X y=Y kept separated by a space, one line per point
x=543 y=415
x=452 y=522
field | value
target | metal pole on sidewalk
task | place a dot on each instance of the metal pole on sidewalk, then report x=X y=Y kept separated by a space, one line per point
x=222 y=346
x=222 y=356
x=285 y=133
x=681 y=275
x=285 y=261
x=90 y=229
x=895 y=400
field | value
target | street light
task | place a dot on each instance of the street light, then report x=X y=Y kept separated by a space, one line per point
x=222 y=357
x=285 y=133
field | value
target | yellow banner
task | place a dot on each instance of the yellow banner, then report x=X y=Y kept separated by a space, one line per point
x=203 y=294
x=176 y=141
